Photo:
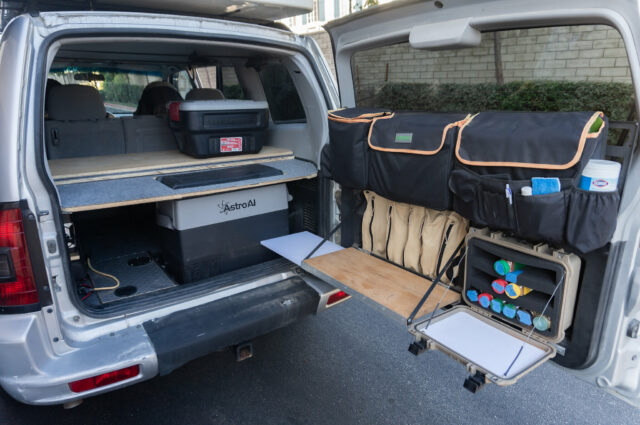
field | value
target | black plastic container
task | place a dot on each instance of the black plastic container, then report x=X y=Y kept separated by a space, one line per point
x=207 y=128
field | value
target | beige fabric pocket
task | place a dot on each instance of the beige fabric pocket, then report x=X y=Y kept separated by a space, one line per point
x=367 y=243
x=380 y=225
x=432 y=233
x=398 y=232
x=413 y=247
x=411 y=236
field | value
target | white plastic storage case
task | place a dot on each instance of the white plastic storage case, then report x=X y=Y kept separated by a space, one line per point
x=206 y=128
x=481 y=339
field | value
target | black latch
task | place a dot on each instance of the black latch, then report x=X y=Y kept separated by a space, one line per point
x=418 y=347
x=474 y=382
x=55 y=139
x=632 y=330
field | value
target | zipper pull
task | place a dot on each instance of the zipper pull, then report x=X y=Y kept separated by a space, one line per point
x=508 y=193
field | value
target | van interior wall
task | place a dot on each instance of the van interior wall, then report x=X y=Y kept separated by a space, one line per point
x=305 y=139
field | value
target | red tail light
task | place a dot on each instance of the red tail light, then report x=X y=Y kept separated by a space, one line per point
x=337 y=296
x=17 y=284
x=174 y=111
x=104 y=379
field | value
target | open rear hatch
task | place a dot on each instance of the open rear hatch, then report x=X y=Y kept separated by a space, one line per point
x=497 y=296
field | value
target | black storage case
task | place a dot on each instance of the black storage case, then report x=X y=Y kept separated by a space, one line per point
x=552 y=275
x=497 y=153
x=410 y=157
x=207 y=128
x=348 y=132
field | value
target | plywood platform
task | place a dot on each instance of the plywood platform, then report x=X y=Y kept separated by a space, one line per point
x=110 y=193
x=97 y=168
x=390 y=286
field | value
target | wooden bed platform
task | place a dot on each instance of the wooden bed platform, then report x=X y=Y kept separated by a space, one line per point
x=392 y=287
x=93 y=183
x=110 y=193
x=96 y=168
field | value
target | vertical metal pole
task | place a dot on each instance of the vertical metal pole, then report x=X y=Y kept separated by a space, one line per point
x=497 y=55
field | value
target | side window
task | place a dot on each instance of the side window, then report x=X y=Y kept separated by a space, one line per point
x=223 y=78
x=231 y=87
x=182 y=82
x=582 y=67
x=282 y=96
x=120 y=90
x=207 y=77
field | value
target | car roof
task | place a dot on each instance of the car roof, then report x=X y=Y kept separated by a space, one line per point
x=257 y=11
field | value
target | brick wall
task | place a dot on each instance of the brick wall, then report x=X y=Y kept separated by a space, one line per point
x=578 y=53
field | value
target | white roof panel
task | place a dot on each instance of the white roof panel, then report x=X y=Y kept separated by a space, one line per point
x=268 y=10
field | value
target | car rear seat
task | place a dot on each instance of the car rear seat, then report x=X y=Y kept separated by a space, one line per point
x=78 y=125
x=148 y=133
x=204 y=93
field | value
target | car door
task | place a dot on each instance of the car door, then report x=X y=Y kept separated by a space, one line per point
x=611 y=357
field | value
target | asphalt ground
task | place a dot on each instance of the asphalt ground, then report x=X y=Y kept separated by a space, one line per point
x=349 y=365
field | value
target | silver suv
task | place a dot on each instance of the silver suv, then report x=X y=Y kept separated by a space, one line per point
x=114 y=271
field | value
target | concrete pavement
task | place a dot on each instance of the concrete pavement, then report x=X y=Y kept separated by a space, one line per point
x=346 y=366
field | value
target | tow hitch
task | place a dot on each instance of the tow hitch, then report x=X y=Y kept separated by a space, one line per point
x=244 y=351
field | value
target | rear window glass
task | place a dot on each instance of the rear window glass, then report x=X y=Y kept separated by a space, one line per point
x=119 y=89
x=568 y=68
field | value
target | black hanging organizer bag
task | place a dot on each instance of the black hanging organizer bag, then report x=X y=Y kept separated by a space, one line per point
x=411 y=155
x=348 y=132
x=499 y=153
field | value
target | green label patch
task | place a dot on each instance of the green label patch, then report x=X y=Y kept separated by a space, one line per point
x=403 y=137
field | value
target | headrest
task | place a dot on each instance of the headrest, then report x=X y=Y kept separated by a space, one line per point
x=204 y=94
x=155 y=97
x=75 y=102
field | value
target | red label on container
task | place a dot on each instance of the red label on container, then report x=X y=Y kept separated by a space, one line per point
x=231 y=144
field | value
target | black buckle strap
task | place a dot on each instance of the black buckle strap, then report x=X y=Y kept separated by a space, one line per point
x=434 y=283
x=326 y=238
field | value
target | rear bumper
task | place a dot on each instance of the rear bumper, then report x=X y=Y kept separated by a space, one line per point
x=186 y=335
x=31 y=373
